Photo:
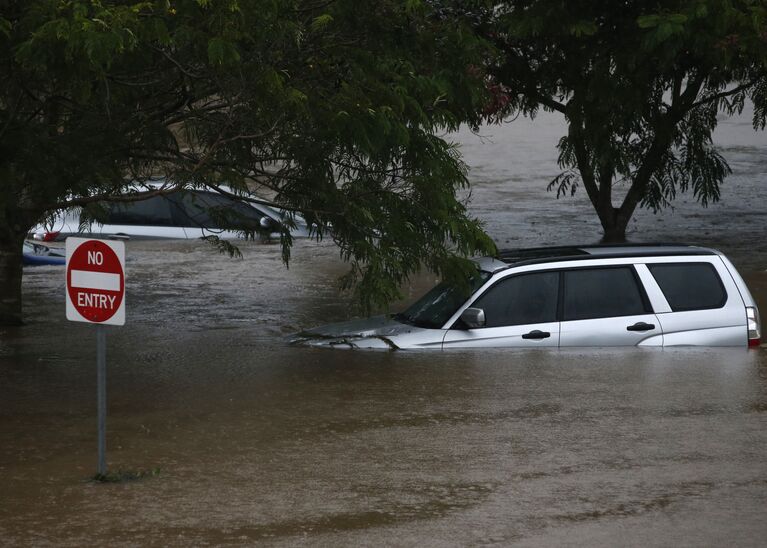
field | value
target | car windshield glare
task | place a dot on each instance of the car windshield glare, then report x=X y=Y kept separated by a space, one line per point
x=435 y=307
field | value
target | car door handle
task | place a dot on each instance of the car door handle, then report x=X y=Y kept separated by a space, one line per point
x=536 y=334
x=641 y=326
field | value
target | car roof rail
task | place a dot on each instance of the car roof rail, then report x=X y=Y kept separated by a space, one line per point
x=537 y=255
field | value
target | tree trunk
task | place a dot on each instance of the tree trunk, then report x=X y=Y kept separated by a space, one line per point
x=613 y=224
x=11 y=243
x=614 y=235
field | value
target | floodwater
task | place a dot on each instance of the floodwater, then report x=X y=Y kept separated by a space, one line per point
x=257 y=443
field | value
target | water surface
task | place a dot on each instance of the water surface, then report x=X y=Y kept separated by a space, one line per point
x=260 y=443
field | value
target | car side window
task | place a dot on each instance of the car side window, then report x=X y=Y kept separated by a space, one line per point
x=519 y=300
x=154 y=211
x=689 y=286
x=210 y=210
x=592 y=293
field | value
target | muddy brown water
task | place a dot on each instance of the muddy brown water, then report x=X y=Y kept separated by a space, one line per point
x=258 y=443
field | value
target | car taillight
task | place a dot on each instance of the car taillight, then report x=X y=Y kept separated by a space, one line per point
x=50 y=236
x=754 y=326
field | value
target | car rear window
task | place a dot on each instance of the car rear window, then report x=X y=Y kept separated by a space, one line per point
x=211 y=210
x=602 y=293
x=690 y=286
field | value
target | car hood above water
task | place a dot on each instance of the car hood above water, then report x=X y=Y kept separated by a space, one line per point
x=378 y=332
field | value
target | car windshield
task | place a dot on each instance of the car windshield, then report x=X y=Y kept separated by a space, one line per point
x=435 y=308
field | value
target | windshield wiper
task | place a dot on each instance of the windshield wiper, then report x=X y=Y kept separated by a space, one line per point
x=409 y=320
x=403 y=318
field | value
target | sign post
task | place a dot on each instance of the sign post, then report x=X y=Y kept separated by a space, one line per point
x=96 y=294
x=101 y=396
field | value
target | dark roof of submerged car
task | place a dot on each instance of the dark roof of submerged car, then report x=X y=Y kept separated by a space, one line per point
x=535 y=255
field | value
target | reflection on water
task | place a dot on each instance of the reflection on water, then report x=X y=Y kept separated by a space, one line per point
x=258 y=442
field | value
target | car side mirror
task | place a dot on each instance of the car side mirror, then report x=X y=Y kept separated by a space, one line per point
x=267 y=223
x=473 y=317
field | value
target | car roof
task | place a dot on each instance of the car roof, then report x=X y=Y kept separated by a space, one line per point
x=536 y=255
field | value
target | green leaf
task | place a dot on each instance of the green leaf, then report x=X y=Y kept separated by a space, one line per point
x=5 y=27
x=222 y=52
x=663 y=31
x=648 y=21
x=583 y=28
x=413 y=6
x=321 y=22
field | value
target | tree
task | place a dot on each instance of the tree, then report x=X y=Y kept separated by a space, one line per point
x=640 y=84
x=327 y=107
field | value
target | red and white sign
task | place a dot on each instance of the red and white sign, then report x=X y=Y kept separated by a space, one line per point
x=96 y=281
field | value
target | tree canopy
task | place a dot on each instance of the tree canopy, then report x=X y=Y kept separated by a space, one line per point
x=326 y=108
x=640 y=83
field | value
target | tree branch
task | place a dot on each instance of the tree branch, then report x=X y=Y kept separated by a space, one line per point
x=584 y=164
x=723 y=94
x=110 y=197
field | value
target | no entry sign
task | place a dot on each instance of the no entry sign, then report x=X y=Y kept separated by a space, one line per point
x=96 y=281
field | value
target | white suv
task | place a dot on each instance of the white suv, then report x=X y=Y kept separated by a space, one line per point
x=182 y=214
x=629 y=295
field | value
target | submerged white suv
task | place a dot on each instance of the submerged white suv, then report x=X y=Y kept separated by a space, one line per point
x=180 y=214
x=628 y=295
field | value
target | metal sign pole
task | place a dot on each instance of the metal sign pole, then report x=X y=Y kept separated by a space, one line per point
x=101 y=388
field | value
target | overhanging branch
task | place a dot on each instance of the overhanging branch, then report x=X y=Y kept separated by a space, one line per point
x=711 y=98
